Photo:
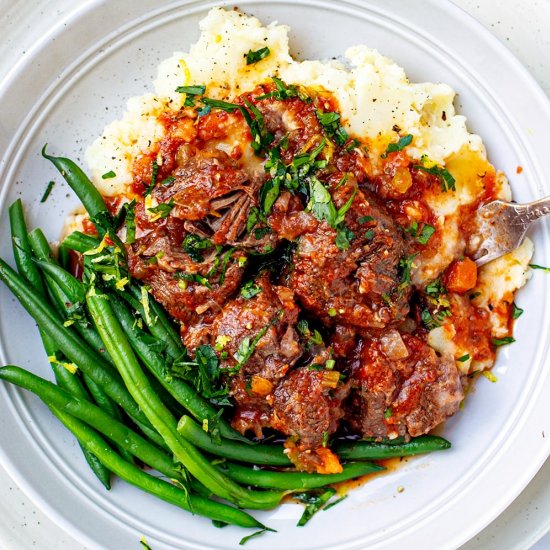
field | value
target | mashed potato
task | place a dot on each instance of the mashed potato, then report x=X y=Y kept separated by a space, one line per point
x=374 y=97
x=373 y=93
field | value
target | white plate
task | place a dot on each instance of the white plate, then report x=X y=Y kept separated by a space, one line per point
x=66 y=89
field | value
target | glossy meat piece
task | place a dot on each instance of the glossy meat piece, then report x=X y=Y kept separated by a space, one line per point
x=406 y=397
x=308 y=407
x=158 y=260
x=264 y=325
x=360 y=286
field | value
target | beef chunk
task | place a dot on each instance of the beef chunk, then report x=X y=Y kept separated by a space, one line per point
x=307 y=406
x=358 y=284
x=406 y=397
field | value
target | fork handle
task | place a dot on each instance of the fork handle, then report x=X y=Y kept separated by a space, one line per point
x=533 y=210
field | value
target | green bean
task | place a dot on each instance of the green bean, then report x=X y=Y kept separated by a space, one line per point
x=174 y=349
x=269 y=455
x=79 y=182
x=22 y=249
x=118 y=346
x=79 y=353
x=295 y=480
x=162 y=327
x=181 y=391
x=66 y=289
x=366 y=450
x=24 y=261
x=168 y=332
x=80 y=242
x=60 y=297
x=97 y=418
x=163 y=490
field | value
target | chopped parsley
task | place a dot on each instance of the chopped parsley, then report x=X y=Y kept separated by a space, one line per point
x=244 y=540
x=425 y=234
x=502 y=341
x=108 y=175
x=193 y=245
x=464 y=358
x=315 y=501
x=330 y=121
x=516 y=311
x=365 y=219
x=168 y=180
x=268 y=194
x=323 y=208
x=153 y=182
x=191 y=90
x=162 y=210
x=258 y=55
x=130 y=221
x=369 y=234
x=388 y=413
x=399 y=146
x=246 y=347
x=405 y=265
x=344 y=235
x=250 y=289
x=192 y=277
x=283 y=91
x=445 y=177
x=47 y=191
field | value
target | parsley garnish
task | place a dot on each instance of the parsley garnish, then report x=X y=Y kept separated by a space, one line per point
x=244 y=540
x=250 y=289
x=108 y=175
x=130 y=221
x=258 y=55
x=204 y=373
x=388 y=413
x=282 y=92
x=399 y=146
x=268 y=194
x=464 y=358
x=516 y=311
x=168 y=180
x=426 y=234
x=343 y=237
x=314 y=501
x=365 y=219
x=446 y=178
x=48 y=191
x=330 y=121
x=247 y=346
x=429 y=322
x=191 y=90
x=154 y=173
x=194 y=278
x=163 y=209
x=405 y=265
x=193 y=245
x=502 y=341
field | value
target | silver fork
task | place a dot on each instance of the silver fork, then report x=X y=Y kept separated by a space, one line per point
x=501 y=227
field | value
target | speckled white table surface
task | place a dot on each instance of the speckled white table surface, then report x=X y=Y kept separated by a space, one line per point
x=524 y=27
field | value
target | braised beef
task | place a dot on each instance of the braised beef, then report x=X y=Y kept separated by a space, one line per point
x=406 y=397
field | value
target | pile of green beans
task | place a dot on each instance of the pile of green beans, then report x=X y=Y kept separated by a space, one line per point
x=113 y=394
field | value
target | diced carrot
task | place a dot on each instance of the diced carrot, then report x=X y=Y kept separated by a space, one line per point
x=461 y=276
x=330 y=462
x=260 y=386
